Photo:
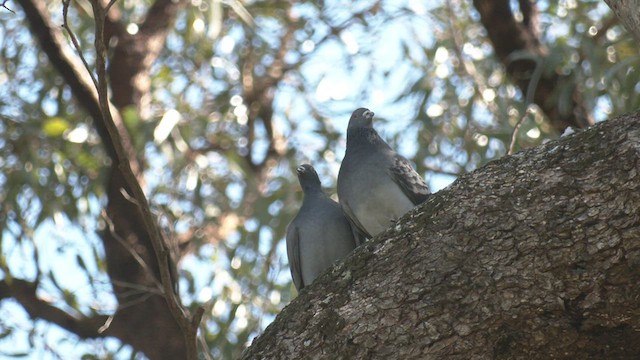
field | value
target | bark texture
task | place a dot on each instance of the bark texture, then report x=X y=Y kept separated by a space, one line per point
x=534 y=256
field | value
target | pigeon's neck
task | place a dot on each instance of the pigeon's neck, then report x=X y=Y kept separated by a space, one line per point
x=312 y=190
x=364 y=137
x=311 y=197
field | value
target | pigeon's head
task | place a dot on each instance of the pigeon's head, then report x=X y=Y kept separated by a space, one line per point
x=361 y=118
x=308 y=176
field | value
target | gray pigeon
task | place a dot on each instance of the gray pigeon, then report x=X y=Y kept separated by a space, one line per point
x=376 y=186
x=319 y=235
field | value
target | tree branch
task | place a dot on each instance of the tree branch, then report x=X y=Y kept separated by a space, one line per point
x=134 y=55
x=133 y=222
x=187 y=324
x=25 y=293
x=532 y=256
x=67 y=63
x=510 y=37
x=258 y=95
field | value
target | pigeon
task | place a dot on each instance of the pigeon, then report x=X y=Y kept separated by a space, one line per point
x=319 y=235
x=376 y=186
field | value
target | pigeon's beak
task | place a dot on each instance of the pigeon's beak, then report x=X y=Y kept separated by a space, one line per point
x=300 y=170
x=368 y=114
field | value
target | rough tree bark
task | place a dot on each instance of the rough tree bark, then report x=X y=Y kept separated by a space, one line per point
x=534 y=256
x=510 y=37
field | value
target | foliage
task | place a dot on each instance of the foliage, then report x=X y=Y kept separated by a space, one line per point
x=219 y=171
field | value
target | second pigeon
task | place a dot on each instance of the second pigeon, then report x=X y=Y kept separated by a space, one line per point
x=319 y=235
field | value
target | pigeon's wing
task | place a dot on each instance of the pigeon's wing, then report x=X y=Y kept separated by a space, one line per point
x=359 y=232
x=409 y=180
x=293 y=253
x=358 y=237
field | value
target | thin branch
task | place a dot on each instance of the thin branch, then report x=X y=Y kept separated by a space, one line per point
x=514 y=133
x=136 y=301
x=205 y=347
x=53 y=43
x=25 y=293
x=106 y=9
x=158 y=242
x=106 y=324
x=508 y=37
x=132 y=252
x=74 y=40
x=4 y=5
x=468 y=67
x=114 y=136
x=258 y=91
x=531 y=89
x=529 y=16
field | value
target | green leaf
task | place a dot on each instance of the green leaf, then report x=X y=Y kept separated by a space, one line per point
x=6 y=332
x=131 y=118
x=55 y=126
x=81 y=263
x=89 y=357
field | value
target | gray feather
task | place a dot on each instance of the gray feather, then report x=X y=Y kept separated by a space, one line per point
x=319 y=235
x=293 y=253
x=376 y=186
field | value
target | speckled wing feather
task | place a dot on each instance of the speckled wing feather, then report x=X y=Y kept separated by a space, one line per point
x=408 y=179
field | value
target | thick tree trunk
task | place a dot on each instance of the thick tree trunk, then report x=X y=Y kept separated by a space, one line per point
x=536 y=255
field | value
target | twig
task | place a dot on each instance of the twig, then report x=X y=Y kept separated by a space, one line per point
x=4 y=5
x=131 y=250
x=128 y=197
x=106 y=9
x=106 y=324
x=514 y=134
x=467 y=67
x=185 y=323
x=139 y=289
x=205 y=347
x=74 y=40
x=531 y=89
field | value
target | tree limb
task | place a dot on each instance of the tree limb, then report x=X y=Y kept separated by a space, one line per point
x=25 y=293
x=153 y=317
x=187 y=324
x=134 y=54
x=533 y=256
x=511 y=37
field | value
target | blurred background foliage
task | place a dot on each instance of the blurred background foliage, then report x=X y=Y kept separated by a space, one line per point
x=219 y=170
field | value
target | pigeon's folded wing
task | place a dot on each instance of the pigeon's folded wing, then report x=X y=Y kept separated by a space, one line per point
x=293 y=253
x=409 y=180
